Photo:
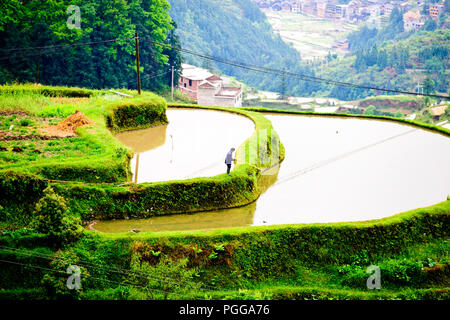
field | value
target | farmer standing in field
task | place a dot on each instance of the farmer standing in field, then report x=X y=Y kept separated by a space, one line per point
x=229 y=159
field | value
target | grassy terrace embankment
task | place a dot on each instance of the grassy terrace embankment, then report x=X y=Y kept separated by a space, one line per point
x=90 y=154
x=307 y=261
x=94 y=185
x=310 y=261
x=417 y=124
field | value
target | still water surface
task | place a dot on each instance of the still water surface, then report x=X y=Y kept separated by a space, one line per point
x=193 y=144
x=336 y=169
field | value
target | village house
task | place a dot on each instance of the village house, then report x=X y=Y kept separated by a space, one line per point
x=437 y=112
x=208 y=89
x=436 y=10
x=355 y=11
x=412 y=21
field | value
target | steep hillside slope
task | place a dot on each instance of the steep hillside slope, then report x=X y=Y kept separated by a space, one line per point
x=421 y=59
x=235 y=30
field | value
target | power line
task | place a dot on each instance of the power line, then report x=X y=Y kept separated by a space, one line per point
x=300 y=76
x=67 y=45
x=54 y=49
x=89 y=277
x=100 y=267
x=122 y=271
x=339 y=157
x=242 y=65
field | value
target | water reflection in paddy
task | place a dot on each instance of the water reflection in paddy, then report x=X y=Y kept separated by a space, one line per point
x=341 y=169
x=193 y=144
x=336 y=169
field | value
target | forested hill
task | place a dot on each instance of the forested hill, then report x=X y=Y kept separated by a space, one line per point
x=393 y=58
x=84 y=55
x=236 y=30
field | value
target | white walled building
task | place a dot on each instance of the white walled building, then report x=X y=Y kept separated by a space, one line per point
x=208 y=89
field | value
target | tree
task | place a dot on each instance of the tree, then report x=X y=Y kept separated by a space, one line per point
x=173 y=54
x=447 y=6
x=55 y=283
x=371 y=110
x=99 y=65
x=382 y=60
x=165 y=278
x=428 y=85
x=430 y=25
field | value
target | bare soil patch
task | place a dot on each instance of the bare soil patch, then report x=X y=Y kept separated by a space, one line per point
x=68 y=127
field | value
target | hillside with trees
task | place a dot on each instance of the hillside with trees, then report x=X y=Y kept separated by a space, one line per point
x=393 y=58
x=236 y=30
x=82 y=57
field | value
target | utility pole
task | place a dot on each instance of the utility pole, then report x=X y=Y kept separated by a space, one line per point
x=419 y=86
x=137 y=63
x=37 y=64
x=172 y=83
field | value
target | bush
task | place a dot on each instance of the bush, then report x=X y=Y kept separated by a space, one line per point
x=49 y=91
x=401 y=273
x=166 y=278
x=55 y=283
x=25 y=122
x=53 y=219
x=137 y=113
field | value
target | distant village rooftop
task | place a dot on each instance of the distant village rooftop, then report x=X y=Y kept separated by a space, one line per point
x=207 y=88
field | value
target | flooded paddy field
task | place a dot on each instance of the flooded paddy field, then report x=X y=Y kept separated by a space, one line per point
x=193 y=144
x=335 y=170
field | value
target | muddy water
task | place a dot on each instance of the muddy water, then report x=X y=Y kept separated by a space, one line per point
x=193 y=144
x=335 y=169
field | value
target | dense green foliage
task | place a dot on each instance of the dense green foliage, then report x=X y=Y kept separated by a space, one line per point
x=45 y=23
x=52 y=217
x=137 y=114
x=316 y=261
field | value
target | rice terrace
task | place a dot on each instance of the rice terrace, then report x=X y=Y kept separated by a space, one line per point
x=59 y=155
x=242 y=155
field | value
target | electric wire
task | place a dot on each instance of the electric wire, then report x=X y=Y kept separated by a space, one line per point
x=68 y=45
x=90 y=277
x=322 y=163
x=292 y=74
x=139 y=274
x=102 y=267
x=243 y=65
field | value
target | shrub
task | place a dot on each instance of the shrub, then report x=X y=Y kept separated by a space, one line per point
x=167 y=277
x=137 y=114
x=55 y=283
x=25 y=122
x=52 y=218
x=401 y=272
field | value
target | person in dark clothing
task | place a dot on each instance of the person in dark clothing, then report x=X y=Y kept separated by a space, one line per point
x=229 y=159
